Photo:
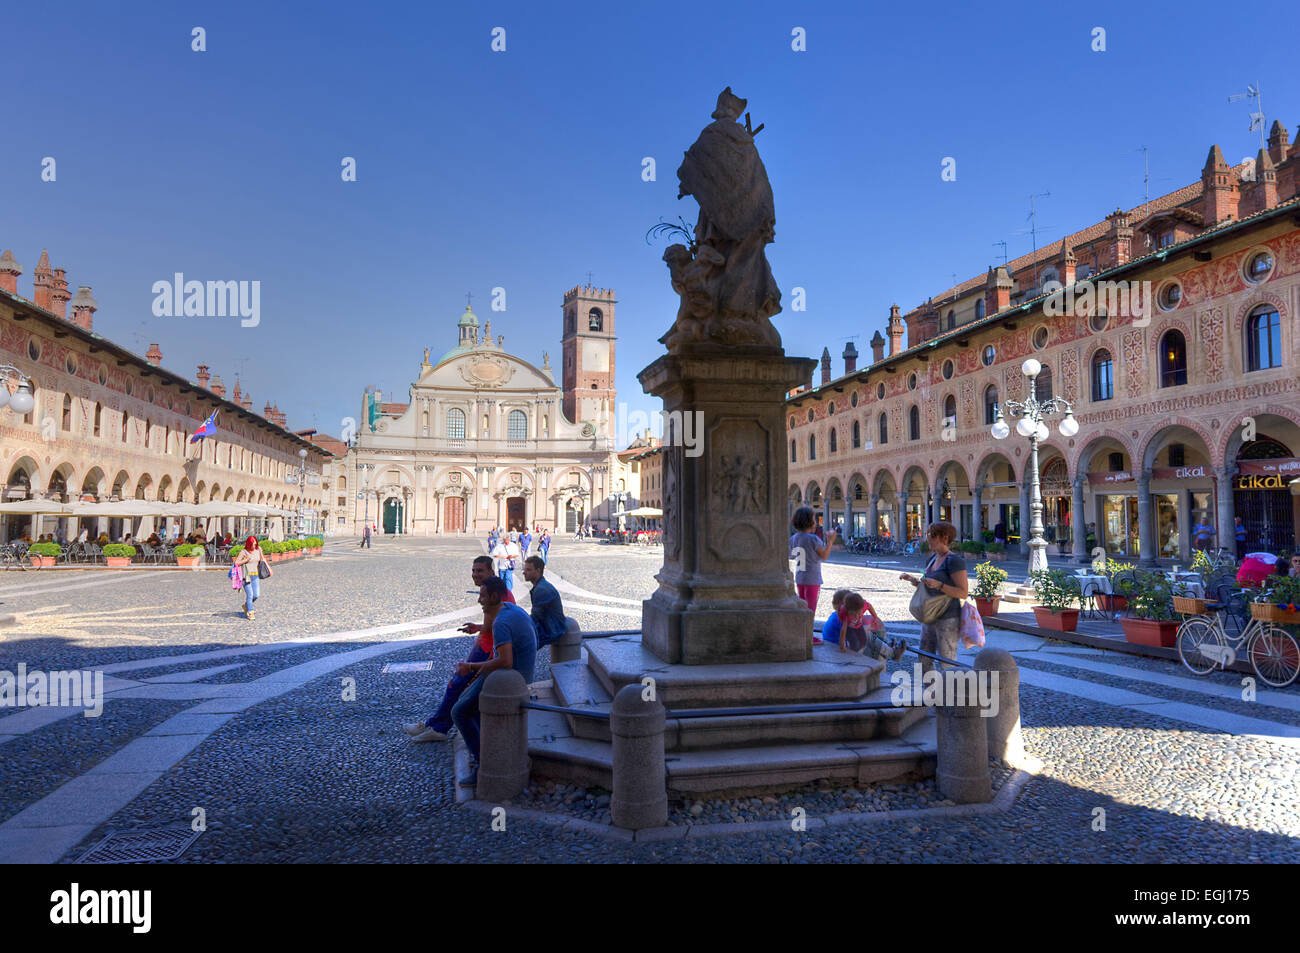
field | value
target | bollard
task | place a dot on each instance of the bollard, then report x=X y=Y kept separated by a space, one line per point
x=1005 y=740
x=568 y=647
x=962 y=772
x=503 y=761
x=640 y=796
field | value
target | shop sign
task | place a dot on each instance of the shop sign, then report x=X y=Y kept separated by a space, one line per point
x=1119 y=476
x=1177 y=473
x=1264 y=467
x=1256 y=482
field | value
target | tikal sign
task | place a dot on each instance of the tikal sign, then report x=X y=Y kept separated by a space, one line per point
x=1261 y=483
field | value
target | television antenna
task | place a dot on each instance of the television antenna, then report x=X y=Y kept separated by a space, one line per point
x=1257 y=117
x=1004 y=252
x=1032 y=218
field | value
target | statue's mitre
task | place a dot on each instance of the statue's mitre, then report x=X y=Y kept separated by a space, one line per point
x=730 y=106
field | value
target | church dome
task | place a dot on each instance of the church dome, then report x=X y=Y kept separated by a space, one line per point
x=468 y=320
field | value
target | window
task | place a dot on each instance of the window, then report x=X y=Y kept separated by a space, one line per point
x=1040 y=338
x=951 y=321
x=911 y=381
x=517 y=425
x=812 y=447
x=857 y=435
x=1116 y=462
x=148 y=433
x=884 y=429
x=950 y=412
x=990 y=404
x=794 y=457
x=34 y=349
x=979 y=308
x=792 y=422
x=853 y=400
x=1044 y=388
x=1103 y=376
x=988 y=355
x=830 y=409
x=914 y=423
x=67 y=412
x=1173 y=359
x=1259 y=266
x=70 y=363
x=1166 y=239
x=1099 y=320
x=456 y=423
x=595 y=320
x=1177 y=455
x=880 y=391
x=126 y=420
x=810 y=415
x=343 y=501
x=1263 y=339
x=1170 y=295
x=833 y=447
x=948 y=369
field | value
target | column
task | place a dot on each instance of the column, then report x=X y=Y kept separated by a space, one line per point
x=1146 y=528
x=848 y=515
x=1079 y=523
x=826 y=514
x=976 y=516
x=935 y=501
x=1185 y=525
x=1025 y=516
x=873 y=517
x=1224 y=505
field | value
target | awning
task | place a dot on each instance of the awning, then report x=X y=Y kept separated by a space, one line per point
x=37 y=507
x=647 y=511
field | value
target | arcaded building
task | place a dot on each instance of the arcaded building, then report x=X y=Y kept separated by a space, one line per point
x=1177 y=350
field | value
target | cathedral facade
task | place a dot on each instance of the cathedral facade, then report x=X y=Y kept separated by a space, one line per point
x=488 y=439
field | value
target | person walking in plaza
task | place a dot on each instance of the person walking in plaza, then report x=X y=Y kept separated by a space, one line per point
x=436 y=727
x=1239 y=534
x=249 y=564
x=525 y=542
x=548 y=610
x=516 y=560
x=501 y=561
x=1202 y=534
x=945 y=575
x=544 y=545
x=365 y=538
x=514 y=646
x=808 y=551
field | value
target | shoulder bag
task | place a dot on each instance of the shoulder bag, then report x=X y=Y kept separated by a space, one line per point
x=925 y=608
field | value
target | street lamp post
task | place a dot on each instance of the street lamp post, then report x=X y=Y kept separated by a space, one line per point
x=1031 y=412
x=302 y=489
x=21 y=401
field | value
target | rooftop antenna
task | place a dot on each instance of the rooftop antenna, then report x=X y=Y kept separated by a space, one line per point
x=1146 y=176
x=1033 y=228
x=588 y=279
x=1004 y=252
x=1257 y=117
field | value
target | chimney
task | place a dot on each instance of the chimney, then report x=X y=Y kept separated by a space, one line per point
x=218 y=387
x=9 y=272
x=83 y=309
x=1067 y=267
x=202 y=375
x=826 y=366
x=269 y=412
x=1121 y=236
x=43 y=282
x=1265 y=182
x=247 y=402
x=923 y=326
x=997 y=290
x=895 y=331
x=1278 y=141
x=237 y=394
x=877 y=348
x=153 y=355
x=59 y=296
x=1219 y=199
x=850 y=356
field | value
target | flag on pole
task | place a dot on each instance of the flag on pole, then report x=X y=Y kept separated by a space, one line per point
x=208 y=428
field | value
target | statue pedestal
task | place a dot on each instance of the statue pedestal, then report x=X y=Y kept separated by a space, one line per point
x=725 y=592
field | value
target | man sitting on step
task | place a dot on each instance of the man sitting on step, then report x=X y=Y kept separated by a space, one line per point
x=548 y=610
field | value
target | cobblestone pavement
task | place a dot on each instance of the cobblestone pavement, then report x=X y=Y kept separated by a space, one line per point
x=247 y=721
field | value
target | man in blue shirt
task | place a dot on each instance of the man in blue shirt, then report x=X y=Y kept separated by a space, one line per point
x=548 y=611
x=1202 y=534
x=515 y=646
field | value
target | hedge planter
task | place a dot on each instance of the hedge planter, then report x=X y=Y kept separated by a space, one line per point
x=118 y=562
x=1148 y=632
x=987 y=607
x=1112 y=603
x=1060 y=620
x=187 y=562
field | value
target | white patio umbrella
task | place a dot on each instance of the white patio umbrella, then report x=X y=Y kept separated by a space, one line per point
x=37 y=507
x=649 y=512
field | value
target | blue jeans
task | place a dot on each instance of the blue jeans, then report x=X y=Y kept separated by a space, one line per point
x=466 y=717
x=508 y=575
x=545 y=551
x=441 y=720
x=252 y=589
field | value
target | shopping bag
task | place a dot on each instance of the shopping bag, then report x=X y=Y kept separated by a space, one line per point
x=972 y=627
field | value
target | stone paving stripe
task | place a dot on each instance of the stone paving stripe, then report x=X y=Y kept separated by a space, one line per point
x=31 y=845
x=607 y=610
x=40 y=590
x=193 y=675
x=1177 y=711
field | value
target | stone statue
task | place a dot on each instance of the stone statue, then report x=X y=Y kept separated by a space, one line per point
x=725 y=283
x=546 y=360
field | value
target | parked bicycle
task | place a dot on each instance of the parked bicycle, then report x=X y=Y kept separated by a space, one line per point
x=1204 y=643
x=14 y=556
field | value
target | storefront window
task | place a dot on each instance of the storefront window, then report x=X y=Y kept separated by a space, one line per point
x=1119 y=525
x=1167 y=531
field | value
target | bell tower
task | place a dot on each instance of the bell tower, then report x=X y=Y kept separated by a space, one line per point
x=588 y=345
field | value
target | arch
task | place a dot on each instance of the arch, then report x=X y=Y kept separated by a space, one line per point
x=984 y=470
x=230 y=494
x=201 y=492
x=241 y=497
x=121 y=485
x=883 y=484
x=92 y=482
x=955 y=473
x=834 y=489
x=1172 y=359
x=25 y=473
x=858 y=480
x=914 y=422
x=1263 y=345
x=813 y=495
x=1254 y=301
x=914 y=481
x=142 y=486
x=504 y=482
x=1102 y=441
x=164 y=489
x=214 y=493
x=1180 y=430
x=1274 y=420
x=794 y=494
x=991 y=400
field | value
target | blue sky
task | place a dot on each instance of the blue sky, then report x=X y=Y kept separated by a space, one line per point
x=522 y=169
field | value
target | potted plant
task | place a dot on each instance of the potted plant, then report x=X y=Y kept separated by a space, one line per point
x=188 y=554
x=986 y=535
x=317 y=544
x=988 y=587
x=1153 y=620
x=1279 y=602
x=1121 y=585
x=43 y=554
x=1053 y=589
x=118 y=554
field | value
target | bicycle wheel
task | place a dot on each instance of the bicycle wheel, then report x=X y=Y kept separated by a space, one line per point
x=1275 y=656
x=1193 y=635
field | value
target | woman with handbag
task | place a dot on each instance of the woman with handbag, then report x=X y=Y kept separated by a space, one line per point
x=939 y=595
x=253 y=568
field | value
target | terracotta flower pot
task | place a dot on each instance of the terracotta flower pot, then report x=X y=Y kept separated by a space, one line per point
x=987 y=607
x=1061 y=620
x=187 y=561
x=118 y=562
x=1149 y=632
x=1112 y=603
